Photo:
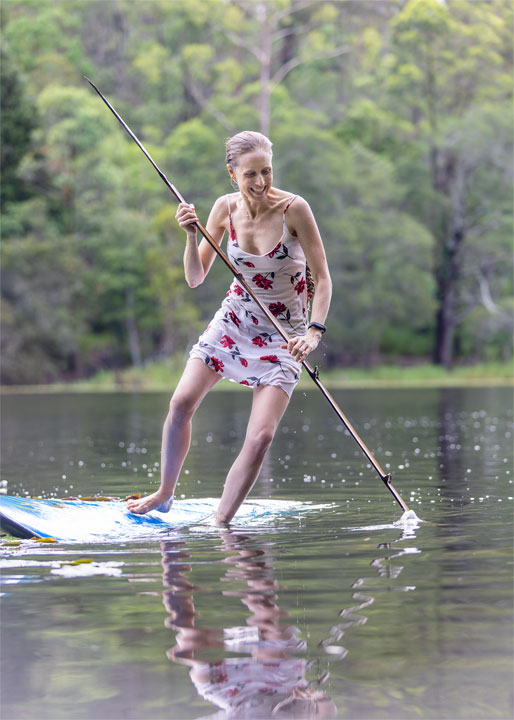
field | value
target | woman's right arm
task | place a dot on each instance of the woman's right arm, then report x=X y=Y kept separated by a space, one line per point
x=198 y=258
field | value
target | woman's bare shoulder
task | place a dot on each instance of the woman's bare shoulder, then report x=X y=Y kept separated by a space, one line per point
x=219 y=211
x=300 y=218
x=282 y=199
x=299 y=207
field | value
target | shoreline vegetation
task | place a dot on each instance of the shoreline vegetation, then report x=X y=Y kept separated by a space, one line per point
x=163 y=377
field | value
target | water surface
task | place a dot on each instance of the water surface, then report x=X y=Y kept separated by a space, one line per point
x=341 y=609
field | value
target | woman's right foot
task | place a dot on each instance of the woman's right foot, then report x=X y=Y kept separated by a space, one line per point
x=218 y=519
x=155 y=501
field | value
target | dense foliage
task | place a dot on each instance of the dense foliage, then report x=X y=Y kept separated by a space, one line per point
x=393 y=118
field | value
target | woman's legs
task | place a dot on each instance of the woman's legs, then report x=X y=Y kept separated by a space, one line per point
x=196 y=381
x=269 y=404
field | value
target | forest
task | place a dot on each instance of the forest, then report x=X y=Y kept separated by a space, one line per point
x=393 y=118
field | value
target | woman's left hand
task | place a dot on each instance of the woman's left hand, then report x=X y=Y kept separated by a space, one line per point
x=301 y=346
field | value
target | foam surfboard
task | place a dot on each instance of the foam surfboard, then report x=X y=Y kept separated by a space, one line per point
x=110 y=520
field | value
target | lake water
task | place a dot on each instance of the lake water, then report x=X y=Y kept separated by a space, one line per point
x=335 y=611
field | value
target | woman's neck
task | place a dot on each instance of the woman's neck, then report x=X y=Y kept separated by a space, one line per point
x=254 y=209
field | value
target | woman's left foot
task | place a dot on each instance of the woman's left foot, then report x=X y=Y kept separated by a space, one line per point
x=150 y=502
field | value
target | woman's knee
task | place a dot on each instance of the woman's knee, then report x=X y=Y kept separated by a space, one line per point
x=182 y=406
x=259 y=441
x=196 y=381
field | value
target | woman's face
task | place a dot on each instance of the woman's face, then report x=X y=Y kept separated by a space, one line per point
x=253 y=174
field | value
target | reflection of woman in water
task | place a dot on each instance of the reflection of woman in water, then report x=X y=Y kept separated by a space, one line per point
x=265 y=679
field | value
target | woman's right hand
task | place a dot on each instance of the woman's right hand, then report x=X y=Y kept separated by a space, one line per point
x=186 y=217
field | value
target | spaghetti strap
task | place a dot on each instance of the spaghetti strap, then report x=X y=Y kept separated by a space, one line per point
x=286 y=209
x=290 y=203
x=229 y=213
x=230 y=226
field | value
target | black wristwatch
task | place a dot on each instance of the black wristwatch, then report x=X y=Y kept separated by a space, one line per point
x=318 y=326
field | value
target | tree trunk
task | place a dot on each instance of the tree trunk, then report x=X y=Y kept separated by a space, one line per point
x=447 y=268
x=443 y=345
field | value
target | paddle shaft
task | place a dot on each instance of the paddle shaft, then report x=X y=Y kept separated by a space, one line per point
x=313 y=372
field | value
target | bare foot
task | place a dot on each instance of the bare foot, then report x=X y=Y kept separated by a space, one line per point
x=218 y=519
x=155 y=501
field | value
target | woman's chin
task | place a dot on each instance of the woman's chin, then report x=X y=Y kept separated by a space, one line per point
x=258 y=196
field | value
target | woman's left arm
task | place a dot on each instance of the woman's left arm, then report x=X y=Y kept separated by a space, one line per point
x=301 y=222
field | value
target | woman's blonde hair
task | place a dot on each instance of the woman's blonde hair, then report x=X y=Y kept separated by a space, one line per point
x=245 y=142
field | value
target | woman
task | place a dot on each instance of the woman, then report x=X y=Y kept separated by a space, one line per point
x=272 y=235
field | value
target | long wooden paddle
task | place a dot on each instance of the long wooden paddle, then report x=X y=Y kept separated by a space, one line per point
x=313 y=372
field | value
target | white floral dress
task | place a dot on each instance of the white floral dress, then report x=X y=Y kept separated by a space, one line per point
x=240 y=343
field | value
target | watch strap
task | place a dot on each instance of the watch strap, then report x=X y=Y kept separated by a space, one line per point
x=318 y=326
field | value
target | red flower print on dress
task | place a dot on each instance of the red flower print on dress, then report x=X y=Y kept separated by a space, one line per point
x=277 y=308
x=249 y=264
x=244 y=382
x=270 y=358
x=217 y=364
x=218 y=673
x=243 y=362
x=238 y=290
x=258 y=340
x=275 y=249
x=300 y=287
x=262 y=282
x=227 y=341
x=234 y=318
x=254 y=320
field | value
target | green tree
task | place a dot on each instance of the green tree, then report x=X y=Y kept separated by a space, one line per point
x=381 y=263
x=449 y=64
x=43 y=309
x=18 y=121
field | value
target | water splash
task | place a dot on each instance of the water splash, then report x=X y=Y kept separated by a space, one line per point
x=409 y=523
x=409 y=519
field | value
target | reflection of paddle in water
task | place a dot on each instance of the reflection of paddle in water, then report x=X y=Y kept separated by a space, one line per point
x=265 y=679
x=352 y=617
